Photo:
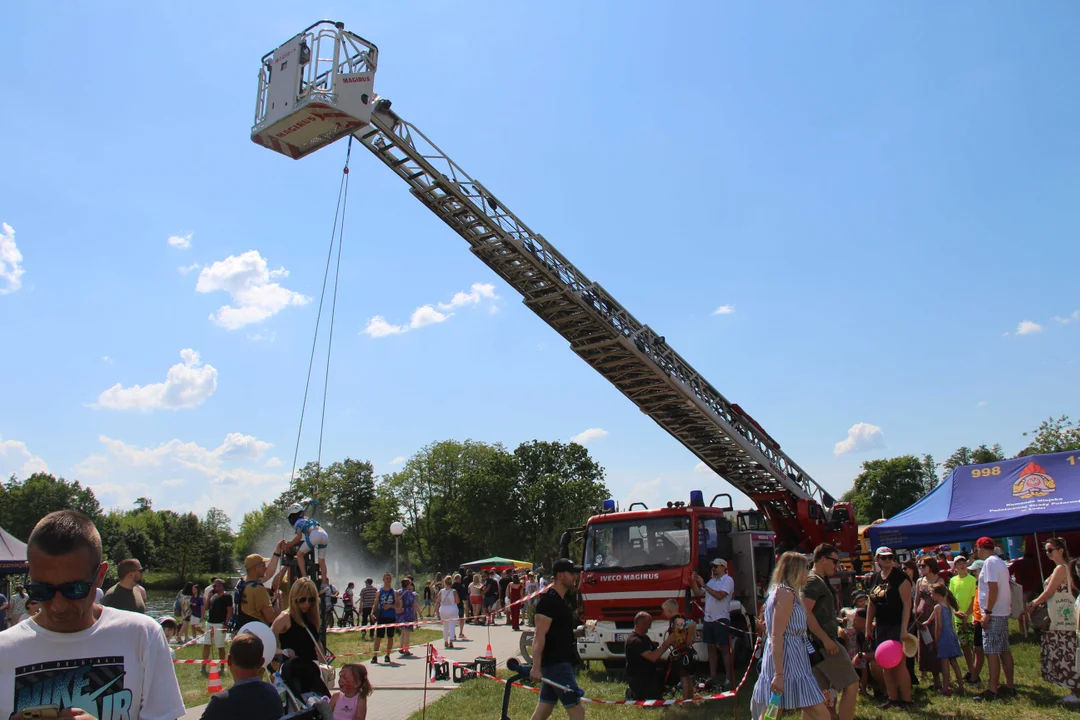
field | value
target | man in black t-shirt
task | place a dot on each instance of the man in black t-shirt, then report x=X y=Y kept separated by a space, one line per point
x=218 y=616
x=553 y=651
x=642 y=654
x=491 y=595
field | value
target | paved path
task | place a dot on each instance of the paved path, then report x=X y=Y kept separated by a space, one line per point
x=409 y=673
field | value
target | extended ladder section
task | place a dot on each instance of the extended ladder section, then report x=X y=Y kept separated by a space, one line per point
x=629 y=354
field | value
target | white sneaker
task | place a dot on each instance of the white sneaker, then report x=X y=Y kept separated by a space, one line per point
x=1070 y=699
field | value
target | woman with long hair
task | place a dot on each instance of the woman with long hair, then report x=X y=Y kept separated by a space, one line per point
x=183 y=603
x=1058 y=652
x=785 y=668
x=925 y=606
x=476 y=597
x=888 y=617
x=297 y=630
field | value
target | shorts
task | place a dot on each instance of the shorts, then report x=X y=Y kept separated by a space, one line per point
x=562 y=673
x=381 y=631
x=196 y=621
x=835 y=671
x=966 y=635
x=977 y=633
x=716 y=632
x=883 y=633
x=214 y=635
x=996 y=636
x=317 y=538
x=476 y=599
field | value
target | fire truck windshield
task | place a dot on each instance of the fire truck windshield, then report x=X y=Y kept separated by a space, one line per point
x=646 y=543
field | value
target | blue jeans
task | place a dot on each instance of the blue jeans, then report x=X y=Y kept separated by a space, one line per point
x=562 y=673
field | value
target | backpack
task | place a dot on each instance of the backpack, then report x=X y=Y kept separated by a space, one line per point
x=238 y=600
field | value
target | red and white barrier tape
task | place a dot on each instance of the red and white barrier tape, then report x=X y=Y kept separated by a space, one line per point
x=643 y=703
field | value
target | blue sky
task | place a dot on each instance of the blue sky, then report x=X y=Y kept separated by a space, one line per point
x=882 y=194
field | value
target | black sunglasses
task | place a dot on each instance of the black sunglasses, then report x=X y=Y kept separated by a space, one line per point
x=305 y=600
x=44 y=592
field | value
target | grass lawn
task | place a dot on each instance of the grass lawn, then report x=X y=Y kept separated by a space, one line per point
x=193 y=682
x=1036 y=699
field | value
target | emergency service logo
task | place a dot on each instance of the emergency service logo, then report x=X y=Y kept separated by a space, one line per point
x=95 y=685
x=1034 y=481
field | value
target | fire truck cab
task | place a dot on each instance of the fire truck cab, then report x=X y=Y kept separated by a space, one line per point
x=637 y=559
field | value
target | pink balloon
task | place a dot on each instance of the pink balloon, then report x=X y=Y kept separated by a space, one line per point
x=889 y=654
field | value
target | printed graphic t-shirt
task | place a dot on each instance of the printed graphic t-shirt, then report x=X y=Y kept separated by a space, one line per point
x=119 y=668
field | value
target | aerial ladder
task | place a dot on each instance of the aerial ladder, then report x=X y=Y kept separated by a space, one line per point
x=318 y=87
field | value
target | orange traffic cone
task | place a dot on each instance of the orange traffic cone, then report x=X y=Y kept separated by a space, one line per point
x=213 y=686
x=488 y=653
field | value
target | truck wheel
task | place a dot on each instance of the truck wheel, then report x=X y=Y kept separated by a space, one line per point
x=525 y=646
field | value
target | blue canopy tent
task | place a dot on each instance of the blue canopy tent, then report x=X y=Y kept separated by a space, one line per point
x=1034 y=494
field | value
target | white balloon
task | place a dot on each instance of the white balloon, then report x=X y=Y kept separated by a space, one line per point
x=264 y=633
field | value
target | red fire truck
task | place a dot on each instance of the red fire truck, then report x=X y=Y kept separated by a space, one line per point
x=637 y=559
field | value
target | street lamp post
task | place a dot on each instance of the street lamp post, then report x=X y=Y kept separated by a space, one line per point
x=396 y=529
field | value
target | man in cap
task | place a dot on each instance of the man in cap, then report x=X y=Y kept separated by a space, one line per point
x=553 y=650
x=716 y=633
x=995 y=599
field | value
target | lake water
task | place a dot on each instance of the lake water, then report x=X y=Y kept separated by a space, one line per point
x=159 y=602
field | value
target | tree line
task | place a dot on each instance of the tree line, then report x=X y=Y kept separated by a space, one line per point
x=888 y=486
x=458 y=501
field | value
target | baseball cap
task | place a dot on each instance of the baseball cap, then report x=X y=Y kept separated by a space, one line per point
x=254 y=559
x=719 y=561
x=858 y=594
x=883 y=551
x=977 y=565
x=985 y=542
x=565 y=565
x=167 y=620
x=959 y=558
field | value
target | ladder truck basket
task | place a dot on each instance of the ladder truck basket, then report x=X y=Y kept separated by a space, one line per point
x=317 y=87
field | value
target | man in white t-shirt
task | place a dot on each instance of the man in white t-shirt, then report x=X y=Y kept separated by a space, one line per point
x=716 y=633
x=92 y=661
x=995 y=599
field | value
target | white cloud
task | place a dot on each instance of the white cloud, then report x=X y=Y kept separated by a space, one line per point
x=218 y=464
x=248 y=281
x=478 y=292
x=11 y=269
x=186 y=385
x=377 y=327
x=1075 y=317
x=263 y=336
x=428 y=314
x=1028 y=327
x=703 y=468
x=106 y=359
x=396 y=461
x=860 y=438
x=16 y=459
x=981 y=404
x=174 y=482
x=588 y=436
x=274 y=462
x=724 y=310
x=184 y=270
x=180 y=242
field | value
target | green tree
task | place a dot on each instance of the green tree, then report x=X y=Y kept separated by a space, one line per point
x=978 y=456
x=961 y=456
x=24 y=502
x=930 y=473
x=886 y=487
x=1053 y=435
x=255 y=526
x=218 y=541
x=559 y=486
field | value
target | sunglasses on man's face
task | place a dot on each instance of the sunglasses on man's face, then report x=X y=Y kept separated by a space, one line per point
x=44 y=592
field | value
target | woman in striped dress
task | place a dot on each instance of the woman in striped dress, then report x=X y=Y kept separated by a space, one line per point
x=785 y=668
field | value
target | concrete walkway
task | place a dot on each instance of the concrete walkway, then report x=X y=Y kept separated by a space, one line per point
x=399 y=704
